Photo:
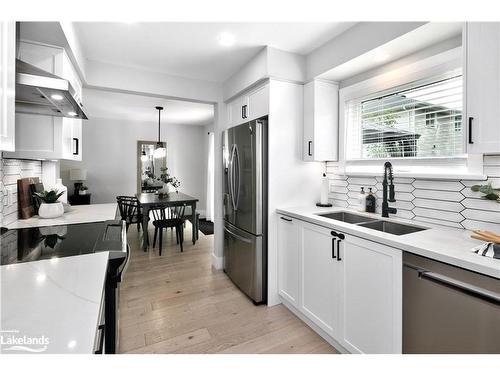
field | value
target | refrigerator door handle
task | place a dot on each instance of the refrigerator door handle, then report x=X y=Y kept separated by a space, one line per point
x=237 y=178
x=246 y=240
x=231 y=176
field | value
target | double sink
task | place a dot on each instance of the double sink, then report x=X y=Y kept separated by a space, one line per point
x=391 y=227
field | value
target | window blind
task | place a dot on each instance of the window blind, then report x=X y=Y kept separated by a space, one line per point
x=421 y=119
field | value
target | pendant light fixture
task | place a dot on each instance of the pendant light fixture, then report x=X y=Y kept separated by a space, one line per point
x=160 y=151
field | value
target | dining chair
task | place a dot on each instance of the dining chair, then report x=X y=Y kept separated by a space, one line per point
x=130 y=210
x=168 y=217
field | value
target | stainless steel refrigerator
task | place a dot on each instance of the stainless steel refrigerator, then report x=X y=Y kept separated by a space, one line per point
x=245 y=207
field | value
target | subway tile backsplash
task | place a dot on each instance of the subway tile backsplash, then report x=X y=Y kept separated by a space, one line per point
x=449 y=203
x=10 y=171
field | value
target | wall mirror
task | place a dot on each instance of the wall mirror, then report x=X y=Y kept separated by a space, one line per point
x=149 y=167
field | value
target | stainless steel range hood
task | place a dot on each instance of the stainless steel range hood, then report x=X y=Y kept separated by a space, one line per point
x=42 y=93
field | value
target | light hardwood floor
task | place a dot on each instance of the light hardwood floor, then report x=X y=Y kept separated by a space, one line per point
x=177 y=303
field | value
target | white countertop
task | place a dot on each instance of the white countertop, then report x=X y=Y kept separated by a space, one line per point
x=444 y=244
x=78 y=214
x=58 y=299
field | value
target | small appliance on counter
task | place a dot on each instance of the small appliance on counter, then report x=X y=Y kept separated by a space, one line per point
x=38 y=243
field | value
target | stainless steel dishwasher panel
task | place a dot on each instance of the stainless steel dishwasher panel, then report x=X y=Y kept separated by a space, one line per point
x=447 y=309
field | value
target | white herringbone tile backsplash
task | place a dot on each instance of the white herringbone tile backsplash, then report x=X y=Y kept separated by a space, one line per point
x=10 y=171
x=444 y=202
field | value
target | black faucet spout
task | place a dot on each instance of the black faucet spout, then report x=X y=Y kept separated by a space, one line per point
x=388 y=191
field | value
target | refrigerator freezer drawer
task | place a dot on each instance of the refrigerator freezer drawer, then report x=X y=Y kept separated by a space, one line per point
x=243 y=261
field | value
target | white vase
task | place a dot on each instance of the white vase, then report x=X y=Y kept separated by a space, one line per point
x=164 y=190
x=50 y=210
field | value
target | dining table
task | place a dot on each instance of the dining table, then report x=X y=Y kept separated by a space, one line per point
x=148 y=200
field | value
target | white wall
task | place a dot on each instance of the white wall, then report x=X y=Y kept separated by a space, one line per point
x=109 y=156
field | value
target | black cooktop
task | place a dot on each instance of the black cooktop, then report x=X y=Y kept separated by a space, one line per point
x=31 y=244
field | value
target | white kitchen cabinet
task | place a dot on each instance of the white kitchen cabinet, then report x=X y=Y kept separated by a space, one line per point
x=349 y=287
x=321 y=102
x=320 y=278
x=72 y=136
x=7 y=85
x=371 y=298
x=48 y=137
x=288 y=259
x=483 y=87
x=248 y=106
x=258 y=103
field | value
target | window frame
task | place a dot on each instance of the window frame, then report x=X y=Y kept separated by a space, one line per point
x=434 y=66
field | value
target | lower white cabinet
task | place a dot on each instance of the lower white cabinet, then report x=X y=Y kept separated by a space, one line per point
x=288 y=259
x=371 y=300
x=321 y=272
x=349 y=287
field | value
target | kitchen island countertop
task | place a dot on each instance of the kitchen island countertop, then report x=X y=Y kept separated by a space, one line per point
x=78 y=214
x=55 y=301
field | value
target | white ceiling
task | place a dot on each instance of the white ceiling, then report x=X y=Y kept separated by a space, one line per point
x=112 y=105
x=414 y=41
x=192 y=49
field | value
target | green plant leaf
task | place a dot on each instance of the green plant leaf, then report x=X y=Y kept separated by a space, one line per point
x=475 y=188
x=491 y=196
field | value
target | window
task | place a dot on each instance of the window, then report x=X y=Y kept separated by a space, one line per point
x=422 y=119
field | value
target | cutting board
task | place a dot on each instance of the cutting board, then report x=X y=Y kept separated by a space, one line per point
x=25 y=197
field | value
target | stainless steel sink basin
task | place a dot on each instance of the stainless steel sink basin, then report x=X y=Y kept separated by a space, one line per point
x=392 y=228
x=347 y=217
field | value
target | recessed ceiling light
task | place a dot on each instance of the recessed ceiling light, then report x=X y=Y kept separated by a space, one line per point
x=72 y=114
x=57 y=97
x=226 y=39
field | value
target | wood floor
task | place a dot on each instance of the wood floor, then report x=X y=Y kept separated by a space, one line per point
x=177 y=303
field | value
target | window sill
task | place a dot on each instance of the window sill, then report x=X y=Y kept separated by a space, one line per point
x=426 y=176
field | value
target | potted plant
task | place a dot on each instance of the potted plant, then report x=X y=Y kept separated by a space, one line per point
x=83 y=190
x=50 y=207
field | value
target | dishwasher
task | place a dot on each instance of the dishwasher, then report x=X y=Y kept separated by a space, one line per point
x=448 y=310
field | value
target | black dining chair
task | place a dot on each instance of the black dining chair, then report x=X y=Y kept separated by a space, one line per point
x=168 y=217
x=130 y=211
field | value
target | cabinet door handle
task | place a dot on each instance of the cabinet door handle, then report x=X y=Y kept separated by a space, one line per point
x=309 y=144
x=76 y=142
x=244 y=111
x=338 y=250
x=470 y=130
x=286 y=219
x=333 y=248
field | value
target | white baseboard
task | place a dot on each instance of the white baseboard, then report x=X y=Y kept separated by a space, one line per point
x=217 y=262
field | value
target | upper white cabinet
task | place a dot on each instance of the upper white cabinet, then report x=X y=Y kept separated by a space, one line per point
x=7 y=85
x=321 y=101
x=349 y=287
x=483 y=87
x=371 y=300
x=288 y=259
x=321 y=277
x=48 y=137
x=248 y=106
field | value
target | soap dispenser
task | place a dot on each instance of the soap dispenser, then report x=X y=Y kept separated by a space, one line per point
x=362 y=200
x=371 y=202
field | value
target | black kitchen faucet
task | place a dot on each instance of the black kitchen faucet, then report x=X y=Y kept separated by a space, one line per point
x=388 y=182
